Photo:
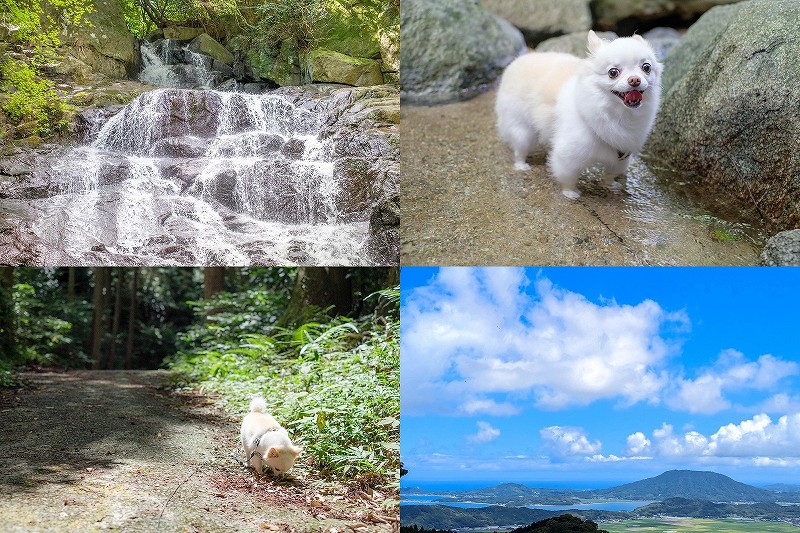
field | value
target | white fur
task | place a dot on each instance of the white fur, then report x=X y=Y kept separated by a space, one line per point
x=564 y=104
x=274 y=448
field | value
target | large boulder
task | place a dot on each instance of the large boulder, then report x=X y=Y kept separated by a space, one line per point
x=453 y=49
x=104 y=44
x=542 y=19
x=729 y=118
x=207 y=45
x=782 y=250
x=328 y=66
x=573 y=43
x=627 y=15
x=182 y=33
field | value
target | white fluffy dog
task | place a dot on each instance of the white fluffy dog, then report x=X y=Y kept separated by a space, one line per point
x=265 y=441
x=593 y=111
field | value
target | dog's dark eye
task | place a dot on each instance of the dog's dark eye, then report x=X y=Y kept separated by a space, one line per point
x=613 y=73
x=646 y=68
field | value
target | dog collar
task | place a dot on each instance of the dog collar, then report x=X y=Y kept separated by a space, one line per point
x=622 y=155
x=258 y=440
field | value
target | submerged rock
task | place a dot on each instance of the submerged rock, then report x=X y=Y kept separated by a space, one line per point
x=729 y=116
x=452 y=49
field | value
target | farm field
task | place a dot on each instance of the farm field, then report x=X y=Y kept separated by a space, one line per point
x=697 y=525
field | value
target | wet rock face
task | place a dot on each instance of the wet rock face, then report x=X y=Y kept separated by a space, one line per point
x=452 y=49
x=720 y=123
x=186 y=177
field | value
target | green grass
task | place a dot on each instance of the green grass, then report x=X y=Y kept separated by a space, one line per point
x=696 y=525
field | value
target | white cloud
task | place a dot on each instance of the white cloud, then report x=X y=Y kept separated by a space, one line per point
x=472 y=334
x=598 y=458
x=758 y=441
x=486 y=433
x=732 y=371
x=566 y=441
x=638 y=445
x=490 y=407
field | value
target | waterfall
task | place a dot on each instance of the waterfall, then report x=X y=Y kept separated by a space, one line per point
x=185 y=176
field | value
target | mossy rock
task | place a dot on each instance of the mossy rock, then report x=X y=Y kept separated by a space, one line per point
x=328 y=66
x=205 y=44
x=81 y=98
x=182 y=33
x=283 y=69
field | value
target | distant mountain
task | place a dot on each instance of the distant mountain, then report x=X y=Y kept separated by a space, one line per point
x=688 y=484
x=444 y=517
x=782 y=487
x=704 y=509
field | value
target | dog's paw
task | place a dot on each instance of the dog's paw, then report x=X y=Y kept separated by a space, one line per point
x=615 y=186
x=572 y=195
x=521 y=165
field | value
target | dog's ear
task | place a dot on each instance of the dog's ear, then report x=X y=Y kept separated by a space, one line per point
x=595 y=42
x=639 y=38
x=273 y=452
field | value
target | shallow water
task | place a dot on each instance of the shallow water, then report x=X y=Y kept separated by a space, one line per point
x=463 y=203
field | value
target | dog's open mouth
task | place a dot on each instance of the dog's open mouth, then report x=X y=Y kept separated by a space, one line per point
x=630 y=98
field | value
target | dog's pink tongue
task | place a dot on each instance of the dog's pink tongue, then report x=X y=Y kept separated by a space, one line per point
x=633 y=97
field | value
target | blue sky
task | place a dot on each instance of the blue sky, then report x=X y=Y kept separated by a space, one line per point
x=589 y=377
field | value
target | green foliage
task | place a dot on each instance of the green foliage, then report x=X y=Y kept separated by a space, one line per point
x=43 y=336
x=32 y=98
x=335 y=384
x=287 y=20
x=144 y=16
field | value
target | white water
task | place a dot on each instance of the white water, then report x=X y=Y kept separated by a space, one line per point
x=203 y=177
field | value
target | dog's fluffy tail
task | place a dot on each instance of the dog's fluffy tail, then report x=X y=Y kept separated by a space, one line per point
x=258 y=405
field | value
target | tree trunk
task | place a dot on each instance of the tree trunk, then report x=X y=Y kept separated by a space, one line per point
x=8 y=330
x=70 y=284
x=131 y=319
x=112 y=351
x=213 y=281
x=101 y=274
x=315 y=289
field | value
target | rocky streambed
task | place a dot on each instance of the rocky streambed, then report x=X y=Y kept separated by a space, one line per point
x=300 y=175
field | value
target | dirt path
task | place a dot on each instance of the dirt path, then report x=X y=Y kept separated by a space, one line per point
x=88 y=451
x=464 y=204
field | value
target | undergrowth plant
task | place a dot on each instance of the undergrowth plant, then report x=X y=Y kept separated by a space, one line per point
x=334 y=384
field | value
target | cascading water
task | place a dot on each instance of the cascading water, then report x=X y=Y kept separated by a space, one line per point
x=204 y=177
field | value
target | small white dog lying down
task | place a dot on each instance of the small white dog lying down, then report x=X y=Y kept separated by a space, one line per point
x=597 y=110
x=265 y=441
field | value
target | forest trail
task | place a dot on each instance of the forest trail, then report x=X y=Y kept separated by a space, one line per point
x=98 y=450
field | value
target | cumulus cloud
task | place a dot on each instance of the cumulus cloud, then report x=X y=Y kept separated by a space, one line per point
x=566 y=441
x=732 y=371
x=486 y=433
x=638 y=445
x=758 y=440
x=470 y=335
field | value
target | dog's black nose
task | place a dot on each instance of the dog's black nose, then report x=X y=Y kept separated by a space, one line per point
x=634 y=81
